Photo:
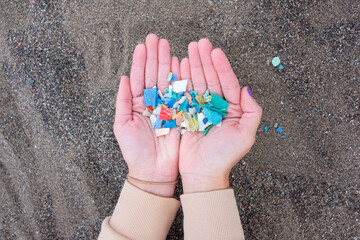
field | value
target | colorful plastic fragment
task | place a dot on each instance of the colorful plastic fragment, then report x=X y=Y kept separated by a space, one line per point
x=275 y=125
x=174 y=78
x=281 y=67
x=165 y=113
x=150 y=96
x=283 y=136
x=266 y=128
x=189 y=123
x=207 y=129
x=279 y=130
x=219 y=102
x=162 y=131
x=170 y=75
x=212 y=116
x=146 y=113
x=187 y=110
x=199 y=99
x=188 y=97
x=158 y=123
x=275 y=61
x=171 y=124
x=180 y=86
x=203 y=122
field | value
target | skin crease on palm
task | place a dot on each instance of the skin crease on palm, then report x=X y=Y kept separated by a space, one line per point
x=204 y=162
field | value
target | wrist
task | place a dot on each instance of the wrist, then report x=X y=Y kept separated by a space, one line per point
x=166 y=188
x=194 y=184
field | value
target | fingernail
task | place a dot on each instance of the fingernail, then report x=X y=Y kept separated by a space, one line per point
x=250 y=92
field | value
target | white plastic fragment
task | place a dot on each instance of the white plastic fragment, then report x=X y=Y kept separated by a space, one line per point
x=160 y=94
x=162 y=131
x=202 y=126
x=183 y=124
x=146 y=113
x=183 y=130
x=157 y=110
x=192 y=111
x=153 y=119
x=180 y=86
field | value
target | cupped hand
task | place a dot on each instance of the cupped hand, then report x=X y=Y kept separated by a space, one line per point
x=205 y=161
x=149 y=158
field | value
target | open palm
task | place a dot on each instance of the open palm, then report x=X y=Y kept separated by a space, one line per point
x=212 y=156
x=149 y=158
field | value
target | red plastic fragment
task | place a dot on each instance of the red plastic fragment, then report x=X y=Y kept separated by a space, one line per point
x=165 y=113
x=150 y=108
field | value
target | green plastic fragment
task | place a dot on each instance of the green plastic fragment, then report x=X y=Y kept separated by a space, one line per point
x=275 y=61
x=166 y=90
x=174 y=95
x=276 y=125
x=207 y=98
x=207 y=129
x=169 y=76
x=219 y=102
x=206 y=93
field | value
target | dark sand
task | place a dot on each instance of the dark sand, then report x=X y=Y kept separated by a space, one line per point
x=61 y=168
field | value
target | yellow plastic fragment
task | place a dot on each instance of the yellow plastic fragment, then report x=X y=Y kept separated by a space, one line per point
x=174 y=117
x=189 y=123
x=195 y=123
x=199 y=99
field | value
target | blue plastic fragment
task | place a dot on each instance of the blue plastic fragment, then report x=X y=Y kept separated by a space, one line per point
x=279 y=130
x=197 y=109
x=171 y=124
x=167 y=100
x=159 y=100
x=173 y=78
x=283 y=136
x=158 y=123
x=150 y=97
x=187 y=108
x=171 y=103
x=212 y=116
x=281 y=67
x=180 y=94
x=266 y=128
x=183 y=105
x=205 y=120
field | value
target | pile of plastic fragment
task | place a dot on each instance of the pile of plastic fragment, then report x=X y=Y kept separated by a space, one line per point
x=186 y=111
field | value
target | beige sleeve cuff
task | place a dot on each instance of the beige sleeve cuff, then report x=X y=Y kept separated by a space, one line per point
x=211 y=215
x=140 y=215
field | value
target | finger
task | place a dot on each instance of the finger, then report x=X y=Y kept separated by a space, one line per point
x=175 y=67
x=185 y=73
x=138 y=70
x=123 y=112
x=197 y=74
x=212 y=79
x=228 y=80
x=164 y=64
x=252 y=112
x=151 y=68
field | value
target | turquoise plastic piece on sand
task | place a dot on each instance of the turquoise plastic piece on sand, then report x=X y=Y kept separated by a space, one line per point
x=275 y=61
x=266 y=128
x=279 y=130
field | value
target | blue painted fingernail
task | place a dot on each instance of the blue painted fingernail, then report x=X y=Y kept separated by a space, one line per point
x=250 y=92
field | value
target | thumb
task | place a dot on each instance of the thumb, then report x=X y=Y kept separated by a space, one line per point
x=252 y=112
x=123 y=112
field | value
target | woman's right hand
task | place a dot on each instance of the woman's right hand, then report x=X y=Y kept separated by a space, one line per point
x=205 y=161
